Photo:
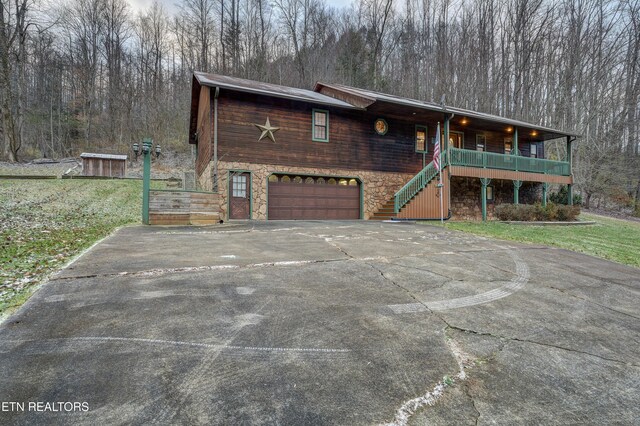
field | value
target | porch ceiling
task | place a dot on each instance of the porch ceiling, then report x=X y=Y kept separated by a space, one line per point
x=462 y=121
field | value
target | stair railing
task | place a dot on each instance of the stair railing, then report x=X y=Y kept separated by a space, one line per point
x=416 y=184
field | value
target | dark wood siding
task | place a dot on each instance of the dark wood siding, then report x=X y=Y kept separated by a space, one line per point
x=353 y=143
x=495 y=140
x=204 y=130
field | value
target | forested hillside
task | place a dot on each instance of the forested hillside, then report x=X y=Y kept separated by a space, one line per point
x=94 y=75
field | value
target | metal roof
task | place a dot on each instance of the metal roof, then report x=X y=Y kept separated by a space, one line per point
x=432 y=106
x=268 y=89
x=103 y=156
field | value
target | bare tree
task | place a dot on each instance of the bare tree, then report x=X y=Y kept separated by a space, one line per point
x=14 y=24
x=116 y=34
x=199 y=17
x=84 y=25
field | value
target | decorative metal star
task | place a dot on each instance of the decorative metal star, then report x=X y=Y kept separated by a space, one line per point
x=267 y=130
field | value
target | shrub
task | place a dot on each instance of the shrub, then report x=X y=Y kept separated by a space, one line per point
x=531 y=212
x=505 y=211
x=551 y=212
x=526 y=212
x=562 y=196
x=540 y=213
x=568 y=213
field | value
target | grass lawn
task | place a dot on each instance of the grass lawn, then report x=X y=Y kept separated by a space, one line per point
x=612 y=239
x=44 y=223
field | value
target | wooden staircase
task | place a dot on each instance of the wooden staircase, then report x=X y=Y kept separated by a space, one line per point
x=385 y=212
x=418 y=199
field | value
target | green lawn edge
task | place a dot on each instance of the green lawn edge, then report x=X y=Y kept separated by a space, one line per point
x=45 y=224
x=617 y=240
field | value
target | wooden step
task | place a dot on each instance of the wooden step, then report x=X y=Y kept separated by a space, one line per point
x=385 y=212
x=168 y=218
x=183 y=218
x=381 y=218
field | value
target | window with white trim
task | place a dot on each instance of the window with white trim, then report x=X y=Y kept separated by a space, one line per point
x=533 y=150
x=421 y=138
x=320 y=125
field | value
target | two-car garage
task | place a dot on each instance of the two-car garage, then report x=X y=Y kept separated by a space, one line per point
x=313 y=197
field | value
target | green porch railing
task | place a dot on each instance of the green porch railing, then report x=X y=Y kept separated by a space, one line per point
x=491 y=160
x=480 y=159
x=415 y=185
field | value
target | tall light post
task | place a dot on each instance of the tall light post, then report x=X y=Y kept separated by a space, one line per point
x=147 y=143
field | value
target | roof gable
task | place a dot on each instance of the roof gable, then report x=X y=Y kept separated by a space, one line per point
x=268 y=89
x=354 y=94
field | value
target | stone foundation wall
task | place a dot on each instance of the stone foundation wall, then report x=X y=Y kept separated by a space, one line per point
x=378 y=187
x=466 y=201
x=204 y=182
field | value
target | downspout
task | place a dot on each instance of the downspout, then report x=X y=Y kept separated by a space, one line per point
x=215 y=139
x=570 y=140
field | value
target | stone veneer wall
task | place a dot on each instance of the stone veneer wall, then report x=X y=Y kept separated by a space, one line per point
x=378 y=187
x=466 y=201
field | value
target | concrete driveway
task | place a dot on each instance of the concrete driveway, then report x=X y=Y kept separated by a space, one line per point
x=325 y=323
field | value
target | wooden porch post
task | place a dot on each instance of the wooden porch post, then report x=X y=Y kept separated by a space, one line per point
x=445 y=144
x=516 y=151
x=516 y=191
x=485 y=182
x=569 y=160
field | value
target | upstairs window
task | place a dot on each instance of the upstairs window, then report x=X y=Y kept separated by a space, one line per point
x=421 y=139
x=508 y=146
x=320 y=125
x=533 y=150
x=481 y=141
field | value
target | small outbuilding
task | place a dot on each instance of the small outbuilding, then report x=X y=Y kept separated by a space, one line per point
x=108 y=165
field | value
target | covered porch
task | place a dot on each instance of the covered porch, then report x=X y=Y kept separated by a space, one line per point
x=489 y=166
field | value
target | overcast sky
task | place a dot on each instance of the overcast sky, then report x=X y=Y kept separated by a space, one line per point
x=170 y=5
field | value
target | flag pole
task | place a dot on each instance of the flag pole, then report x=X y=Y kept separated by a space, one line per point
x=440 y=184
x=437 y=161
x=441 y=202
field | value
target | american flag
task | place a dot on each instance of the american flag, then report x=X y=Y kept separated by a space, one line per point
x=436 y=150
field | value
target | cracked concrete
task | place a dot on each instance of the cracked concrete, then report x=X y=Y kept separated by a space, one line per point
x=290 y=323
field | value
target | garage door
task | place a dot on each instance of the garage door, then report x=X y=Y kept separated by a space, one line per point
x=307 y=197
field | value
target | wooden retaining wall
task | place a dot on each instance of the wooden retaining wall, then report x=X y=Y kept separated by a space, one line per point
x=183 y=208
